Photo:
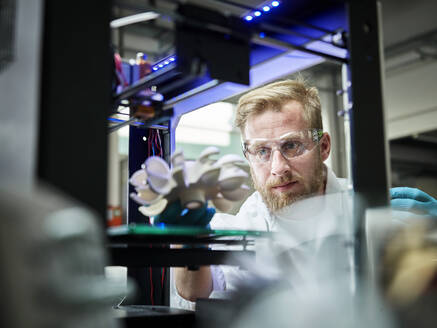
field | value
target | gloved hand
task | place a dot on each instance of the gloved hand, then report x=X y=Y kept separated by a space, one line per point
x=174 y=214
x=414 y=200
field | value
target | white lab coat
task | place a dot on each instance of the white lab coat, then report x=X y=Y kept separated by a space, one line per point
x=308 y=220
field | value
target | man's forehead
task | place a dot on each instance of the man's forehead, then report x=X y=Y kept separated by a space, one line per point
x=275 y=123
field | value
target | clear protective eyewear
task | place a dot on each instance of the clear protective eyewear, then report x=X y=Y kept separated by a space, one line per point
x=291 y=145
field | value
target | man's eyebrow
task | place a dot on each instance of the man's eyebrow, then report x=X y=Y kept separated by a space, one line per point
x=256 y=139
x=288 y=134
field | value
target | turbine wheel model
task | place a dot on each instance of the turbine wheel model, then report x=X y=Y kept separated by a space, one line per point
x=193 y=182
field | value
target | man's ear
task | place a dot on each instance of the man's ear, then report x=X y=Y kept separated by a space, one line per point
x=325 y=146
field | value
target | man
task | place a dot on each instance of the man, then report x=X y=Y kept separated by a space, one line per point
x=284 y=143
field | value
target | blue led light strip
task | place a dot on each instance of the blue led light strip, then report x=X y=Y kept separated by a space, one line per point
x=264 y=9
x=164 y=62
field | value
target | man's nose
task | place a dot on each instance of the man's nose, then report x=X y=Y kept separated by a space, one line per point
x=280 y=165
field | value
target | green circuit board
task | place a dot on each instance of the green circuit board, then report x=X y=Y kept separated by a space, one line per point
x=145 y=229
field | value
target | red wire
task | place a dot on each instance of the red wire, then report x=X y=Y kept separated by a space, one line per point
x=155 y=143
x=162 y=278
x=160 y=144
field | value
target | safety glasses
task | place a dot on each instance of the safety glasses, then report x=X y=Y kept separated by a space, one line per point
x=292 y=144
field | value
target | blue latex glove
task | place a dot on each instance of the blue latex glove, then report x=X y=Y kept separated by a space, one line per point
x=414 y=200
x=174 y=214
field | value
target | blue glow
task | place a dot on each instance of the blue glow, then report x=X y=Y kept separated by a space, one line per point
x=161 y=225
x=184 y=211
x=262 y=35
x=116 y=120
x=257 y=13
x=158 y=97
x=266 y=8
x=112 y=119
x=248 y=18
x=275 y=3
x=164 y=62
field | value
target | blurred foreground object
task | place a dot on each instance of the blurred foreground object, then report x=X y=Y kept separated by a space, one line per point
x=53 y=259
x=305 y=276
x=192 y=183
x=409 y=272
x=402 y=251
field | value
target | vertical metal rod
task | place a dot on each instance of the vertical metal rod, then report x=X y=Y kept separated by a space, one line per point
x=347 y=106
x=71 y=159
x=369 y=147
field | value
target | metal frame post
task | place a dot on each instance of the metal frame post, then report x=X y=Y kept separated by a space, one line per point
x=369 y=147
x=75 y=99
x=370 y=165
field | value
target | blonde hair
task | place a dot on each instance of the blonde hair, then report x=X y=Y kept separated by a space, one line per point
x=274 y=95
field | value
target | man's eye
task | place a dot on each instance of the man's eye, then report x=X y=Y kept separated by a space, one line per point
x=290 y=145
x=292 y=148
x=262 y=152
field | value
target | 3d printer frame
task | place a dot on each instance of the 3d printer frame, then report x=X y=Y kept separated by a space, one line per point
x=62 y=150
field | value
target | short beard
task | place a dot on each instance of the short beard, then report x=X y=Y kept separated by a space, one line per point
x=275 y=202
